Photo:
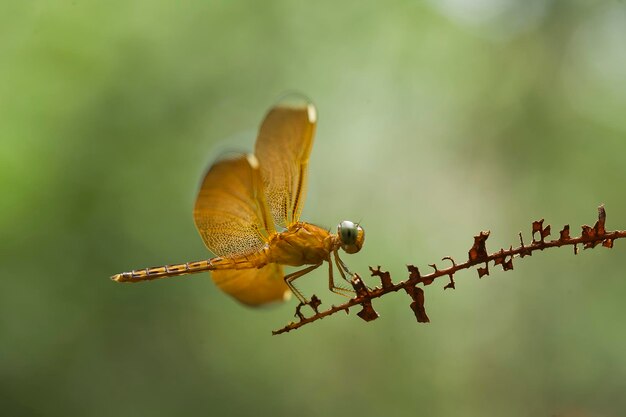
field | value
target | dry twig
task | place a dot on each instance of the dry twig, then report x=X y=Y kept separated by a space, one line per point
x=590 y=238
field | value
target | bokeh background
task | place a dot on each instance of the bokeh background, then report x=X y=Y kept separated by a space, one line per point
x=437 y=119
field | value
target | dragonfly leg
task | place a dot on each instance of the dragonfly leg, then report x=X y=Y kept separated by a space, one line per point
x=342 y=267
x=295 y=275
x=331 y=282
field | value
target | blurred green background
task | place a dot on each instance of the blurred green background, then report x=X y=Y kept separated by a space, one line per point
x=437 y=119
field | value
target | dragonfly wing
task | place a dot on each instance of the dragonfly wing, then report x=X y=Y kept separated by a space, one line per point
x=283 y=148
x=253 y=286
x=231 y=214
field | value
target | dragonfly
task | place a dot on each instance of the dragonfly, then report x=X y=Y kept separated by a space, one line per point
x=248 y=214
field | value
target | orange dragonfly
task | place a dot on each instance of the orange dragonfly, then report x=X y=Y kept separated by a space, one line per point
x=248 y=214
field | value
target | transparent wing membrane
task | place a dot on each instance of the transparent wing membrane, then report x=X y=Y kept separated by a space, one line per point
x=230 y=212
x=253 y=286
x=283 y=148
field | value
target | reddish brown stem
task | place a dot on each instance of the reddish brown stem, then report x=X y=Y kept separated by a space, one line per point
x=590 y=237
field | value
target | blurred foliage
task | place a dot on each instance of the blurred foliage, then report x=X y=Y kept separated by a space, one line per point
x=437 y=119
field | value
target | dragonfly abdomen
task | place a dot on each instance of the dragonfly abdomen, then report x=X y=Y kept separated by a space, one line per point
x=255 y=260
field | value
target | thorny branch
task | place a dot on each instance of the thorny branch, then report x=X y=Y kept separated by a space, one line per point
x=477 y=255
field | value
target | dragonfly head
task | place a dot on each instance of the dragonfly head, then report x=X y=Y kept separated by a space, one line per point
x=351 y=236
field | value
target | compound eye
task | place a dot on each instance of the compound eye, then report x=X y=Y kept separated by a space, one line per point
x=348 y=232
